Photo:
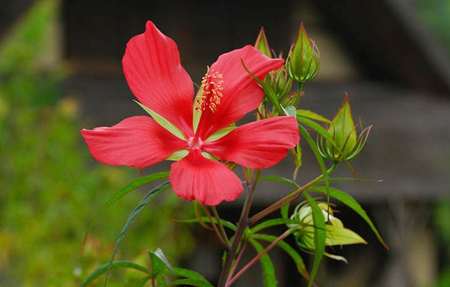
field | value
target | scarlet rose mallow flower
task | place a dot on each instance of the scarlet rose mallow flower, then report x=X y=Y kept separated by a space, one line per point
x=197 y=134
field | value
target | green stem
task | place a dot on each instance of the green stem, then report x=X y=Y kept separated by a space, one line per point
x=299 y=94
x=290 y=197
x=221 y=228
x=214 y=225
x=242 y=226
x=258 y=256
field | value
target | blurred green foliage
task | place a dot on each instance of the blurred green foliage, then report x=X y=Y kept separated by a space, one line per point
x=442 y=223
x=436 y=15
x=50 y=186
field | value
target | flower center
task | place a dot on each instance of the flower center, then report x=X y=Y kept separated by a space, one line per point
x=194 y=142
x=212 y=91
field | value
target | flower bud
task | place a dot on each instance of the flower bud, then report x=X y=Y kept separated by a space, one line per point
x=345 y=144
x=279 y=82
x=262 y=44
x=336 y=233
x=303 y=62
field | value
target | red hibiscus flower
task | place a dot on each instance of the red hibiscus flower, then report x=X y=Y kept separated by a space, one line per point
x=197 y=134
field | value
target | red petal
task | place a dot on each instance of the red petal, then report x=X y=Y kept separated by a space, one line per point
x=137 y=141
x=241 y=93
x=208 y=181
x=259 y=144
x=153 y=71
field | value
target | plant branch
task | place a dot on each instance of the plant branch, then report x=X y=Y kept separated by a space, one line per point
x=258 y=256
x=242 y=226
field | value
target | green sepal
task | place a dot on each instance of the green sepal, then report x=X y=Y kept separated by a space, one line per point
x=173 y=129
x=342 y=236
x=220 y=134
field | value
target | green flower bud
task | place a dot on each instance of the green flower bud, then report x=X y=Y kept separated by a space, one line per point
x=336 y=233
x=303 y=62
x=276 y=80
x=279 y=82
x=262 y=44
x=345 y=144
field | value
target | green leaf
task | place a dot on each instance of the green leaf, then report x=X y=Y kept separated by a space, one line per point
x=297 y=151
x=311 y=115
x=299 y=263
x=160 y=281
x=319 y=236
x=182 y=272
x=144 y=280
x=353 y=204
x=316 y=152
x=267 y=266
x=149 y=197
x=290 y=111
x=190 y=282
x=269 y=92
x=110 y=266
x=173 y=129
x=281 y=179
x=272 y=222
x=205 y=219
x=138 y=182
x=317 y=128
x=159 y=263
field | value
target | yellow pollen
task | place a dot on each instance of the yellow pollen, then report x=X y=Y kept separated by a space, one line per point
x=212 y=91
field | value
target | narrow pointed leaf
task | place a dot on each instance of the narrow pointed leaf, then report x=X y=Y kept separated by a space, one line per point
x=189 y=274
x=102 y=269
x=267 y=266
x=138 y=182
x=316 y=152
x=205 y=219
x=281 y=179
x=144 y=280
x=299 y=263
x=149 y=197
x=268 y=91
x=272 y=222
x=319 y=236
x=311 y=115
x=353 y=204
x=159 y=263
x=190 y=282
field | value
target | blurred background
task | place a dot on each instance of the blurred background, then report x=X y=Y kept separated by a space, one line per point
x=60 y=71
